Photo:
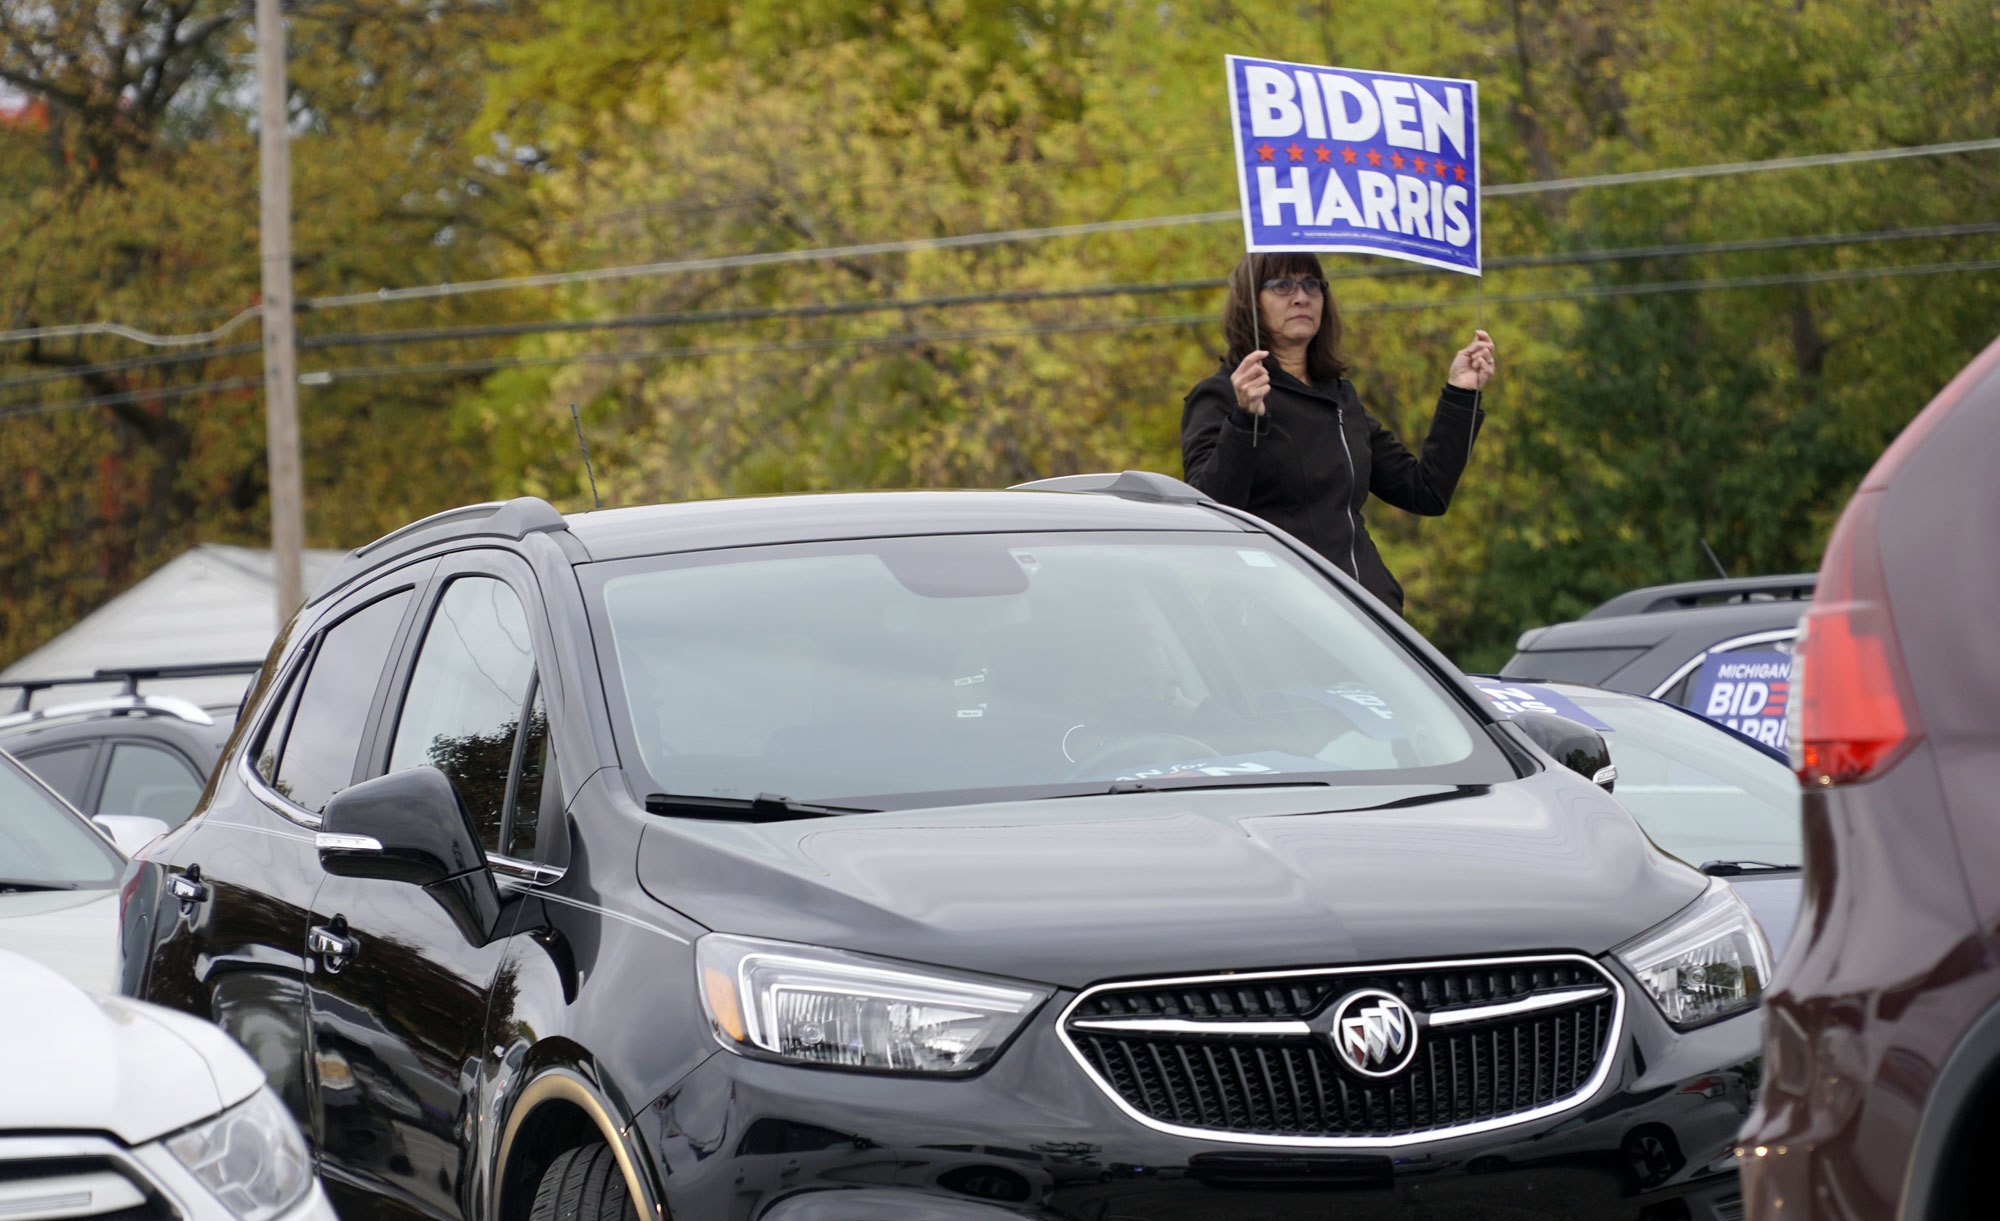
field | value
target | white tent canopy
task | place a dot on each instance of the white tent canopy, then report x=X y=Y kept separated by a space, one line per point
x=212 y=603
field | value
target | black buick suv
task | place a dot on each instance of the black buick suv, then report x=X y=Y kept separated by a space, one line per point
x=1083 y=850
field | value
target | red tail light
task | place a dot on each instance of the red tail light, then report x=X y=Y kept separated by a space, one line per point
x=1852 y=713
x=1855 y=717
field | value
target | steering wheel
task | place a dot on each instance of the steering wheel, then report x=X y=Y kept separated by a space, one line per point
x=1140 y=748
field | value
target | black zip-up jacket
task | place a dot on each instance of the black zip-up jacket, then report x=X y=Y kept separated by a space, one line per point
x=1316 y=457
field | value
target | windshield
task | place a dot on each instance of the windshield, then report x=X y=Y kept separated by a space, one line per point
x=892 y=673
x=1702 y=793
x=45 y=843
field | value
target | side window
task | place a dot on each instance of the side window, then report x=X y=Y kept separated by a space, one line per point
x=274 y=734
x=66 y=770
x=464 y=707
x=527 y=820
x=148 y=781
x=317 y=755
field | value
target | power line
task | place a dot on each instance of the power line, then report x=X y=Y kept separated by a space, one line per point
x=162 y=394
x=968 y=240
x=971 y=240
x=1214 y=149
x=76 y=329
x=1744 y=167
x=1775 y=280
x=66 y=372
x=495 y=364
x=1018 y=296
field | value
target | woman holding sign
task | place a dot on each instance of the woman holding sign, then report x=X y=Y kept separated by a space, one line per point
x=1280 y=431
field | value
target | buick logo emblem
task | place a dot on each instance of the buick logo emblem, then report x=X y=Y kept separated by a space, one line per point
x=1374 y=1032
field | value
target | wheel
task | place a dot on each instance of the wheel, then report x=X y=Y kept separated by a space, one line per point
x=583 y=1185
x=1142 y=748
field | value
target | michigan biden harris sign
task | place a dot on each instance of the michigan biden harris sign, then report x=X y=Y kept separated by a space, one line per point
x=1361 y=162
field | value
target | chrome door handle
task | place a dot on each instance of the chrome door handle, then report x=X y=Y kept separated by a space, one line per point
x=189 y=888
x=332 y=944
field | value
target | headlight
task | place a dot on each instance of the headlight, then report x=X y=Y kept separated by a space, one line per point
x=1710 y=960
x=817 y=1006
x=250 y=1156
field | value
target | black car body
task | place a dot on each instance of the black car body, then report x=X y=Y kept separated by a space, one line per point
x=1652 y=641
x=1133 y=972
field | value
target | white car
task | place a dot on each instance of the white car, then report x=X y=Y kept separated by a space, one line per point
x=58 y=885
x=113 y=1107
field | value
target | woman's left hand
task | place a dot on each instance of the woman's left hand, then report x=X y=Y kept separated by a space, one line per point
x=1474 y=363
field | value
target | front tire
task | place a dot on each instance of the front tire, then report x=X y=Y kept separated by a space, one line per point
x=583 y=1184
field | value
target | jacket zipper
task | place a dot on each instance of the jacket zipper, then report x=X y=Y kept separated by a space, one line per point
x=1340 y=421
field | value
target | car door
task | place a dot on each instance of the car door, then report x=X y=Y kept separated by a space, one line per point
x=402 y=977
x=231 y=940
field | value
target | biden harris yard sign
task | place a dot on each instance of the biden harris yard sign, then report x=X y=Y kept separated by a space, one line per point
x=1359 y=162
x=1749 y=692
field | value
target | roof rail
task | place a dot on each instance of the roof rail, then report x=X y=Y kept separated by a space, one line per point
x=130 y=676
x=516 y=519
x=1131 y=485
x=1684 y=595
x=179 y=709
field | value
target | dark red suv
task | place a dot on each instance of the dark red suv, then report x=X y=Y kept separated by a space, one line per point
x=1882 y=1061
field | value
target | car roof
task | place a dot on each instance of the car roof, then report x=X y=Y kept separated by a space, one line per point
x=1670 y=626
x=208 y=738
x=1708 y=623
x=1128 y=500
x=1724 y=591
x=753 y=521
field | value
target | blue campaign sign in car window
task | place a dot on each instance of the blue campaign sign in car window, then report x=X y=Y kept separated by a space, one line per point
x=1511 y=698
x=1749 y=691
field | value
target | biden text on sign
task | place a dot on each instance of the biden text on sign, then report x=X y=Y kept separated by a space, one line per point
x=1338 y=159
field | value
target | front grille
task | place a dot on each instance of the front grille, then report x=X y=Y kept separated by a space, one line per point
x=1292 y=1084
x=76 y=1189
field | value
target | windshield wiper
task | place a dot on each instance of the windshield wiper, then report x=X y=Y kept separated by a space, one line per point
x=764 y=807
x=15 y=885
x=1149 y=786
x=1730 y=869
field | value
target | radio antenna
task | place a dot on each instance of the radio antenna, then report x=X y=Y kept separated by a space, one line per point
x=578 y=420
x=1710 y=552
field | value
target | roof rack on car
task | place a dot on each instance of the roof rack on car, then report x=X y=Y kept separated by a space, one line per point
x=1795 y=587
x=516 y=519
x=129 y=676
x=164 y=705
x=1131 y=485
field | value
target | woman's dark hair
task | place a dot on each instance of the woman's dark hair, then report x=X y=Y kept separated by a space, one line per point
x=1323 y=359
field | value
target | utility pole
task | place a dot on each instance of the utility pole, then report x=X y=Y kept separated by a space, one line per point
x=281 y=382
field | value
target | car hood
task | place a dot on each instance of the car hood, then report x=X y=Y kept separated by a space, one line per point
x=1072 y=891
x=78 y=1061
x=72 y=932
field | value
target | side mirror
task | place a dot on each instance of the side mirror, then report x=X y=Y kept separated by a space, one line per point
x=1575 y=745
x=408 y=826
x=130 y=832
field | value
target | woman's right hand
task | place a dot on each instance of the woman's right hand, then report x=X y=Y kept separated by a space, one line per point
x=1252 y=382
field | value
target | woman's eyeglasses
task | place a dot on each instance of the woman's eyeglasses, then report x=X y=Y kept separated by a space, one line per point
x=1287 y=286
